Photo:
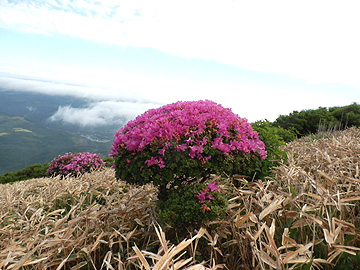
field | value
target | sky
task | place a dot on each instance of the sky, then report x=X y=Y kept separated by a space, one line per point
x=262 y=59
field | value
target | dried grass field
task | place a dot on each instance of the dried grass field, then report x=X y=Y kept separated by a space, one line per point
x=305 y=217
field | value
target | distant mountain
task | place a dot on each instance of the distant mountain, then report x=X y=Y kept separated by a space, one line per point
x=24 y=142
x=28 y=137
x=38 y=108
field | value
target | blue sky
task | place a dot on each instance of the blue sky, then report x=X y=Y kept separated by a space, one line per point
x=259 y=58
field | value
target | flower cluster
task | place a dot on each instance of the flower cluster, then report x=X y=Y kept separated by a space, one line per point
x=74 y=163
x=190 y=126
x=207 y=195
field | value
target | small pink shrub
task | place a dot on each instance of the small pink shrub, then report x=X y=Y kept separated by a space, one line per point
x=75 y=163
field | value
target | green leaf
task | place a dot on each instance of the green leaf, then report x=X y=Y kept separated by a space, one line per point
x=308 y=265
x=292 y=190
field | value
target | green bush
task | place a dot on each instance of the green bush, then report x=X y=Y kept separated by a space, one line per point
x=109 y=162
x=307 y=122
x=274 y=137
x=347 y=116
x=192 y=205
x=32 y=171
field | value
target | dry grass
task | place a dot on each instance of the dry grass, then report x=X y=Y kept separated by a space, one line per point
x=53 y=222
x=306 y=215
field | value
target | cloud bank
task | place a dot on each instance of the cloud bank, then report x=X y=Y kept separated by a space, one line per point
x=114 y=105
x=99 y=114
x=106 y=106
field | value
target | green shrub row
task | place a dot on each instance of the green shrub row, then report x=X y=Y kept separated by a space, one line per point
x=32 y=171
x=308 y=122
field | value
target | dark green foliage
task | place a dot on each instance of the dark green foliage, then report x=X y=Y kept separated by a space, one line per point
x=348 y=115
x=32 y=171
x=187 y=170
x=348 y=262
x=109 y=162
x=308 y=122
x=183 y=209
x=273 y=137
x=305 y=122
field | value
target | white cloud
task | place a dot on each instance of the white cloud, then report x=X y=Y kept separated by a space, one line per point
x=100 y=113
x=31 y=108
x=108 y=106
x=314 y=40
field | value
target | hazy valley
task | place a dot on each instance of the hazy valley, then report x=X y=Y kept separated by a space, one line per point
x=28 y=136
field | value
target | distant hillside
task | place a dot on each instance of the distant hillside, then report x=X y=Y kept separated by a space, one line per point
x=38 y=108
x=24 y=142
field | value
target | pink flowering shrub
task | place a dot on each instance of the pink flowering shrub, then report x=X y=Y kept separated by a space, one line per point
x=186 y=141
x=177 y=147
x=75 y=163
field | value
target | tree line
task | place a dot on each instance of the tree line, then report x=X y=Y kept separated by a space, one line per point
x=306 y=122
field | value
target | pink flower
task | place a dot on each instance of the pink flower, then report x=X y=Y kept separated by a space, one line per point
x=189 y=141
x=201 y=196
x=162 y=152
x=213 y=186
x=206 y=194
x=155 y=161
x=181 y=147
x=195 y=150
x=209 y=197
